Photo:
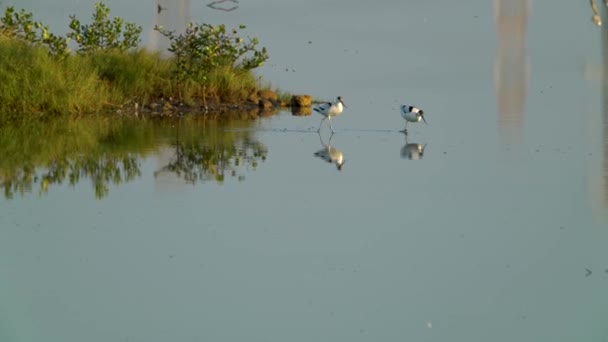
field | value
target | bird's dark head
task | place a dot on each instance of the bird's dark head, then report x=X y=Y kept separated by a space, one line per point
x=339 y=99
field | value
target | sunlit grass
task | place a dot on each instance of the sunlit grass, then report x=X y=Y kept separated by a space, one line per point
x=139 y=75
x=34 y=85
x=228 y=85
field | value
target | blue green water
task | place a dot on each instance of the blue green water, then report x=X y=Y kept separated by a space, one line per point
x=498 y=232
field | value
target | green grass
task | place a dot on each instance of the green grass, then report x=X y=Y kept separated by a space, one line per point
x=34 y=85
x=137 y=75
x=228 y=85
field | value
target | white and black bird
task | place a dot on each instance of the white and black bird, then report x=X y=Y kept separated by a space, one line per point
x=411 y=114
x=329 y=110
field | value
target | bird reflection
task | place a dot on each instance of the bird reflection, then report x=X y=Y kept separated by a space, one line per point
x=412 y=151
x=596 y=18
x=330 y=154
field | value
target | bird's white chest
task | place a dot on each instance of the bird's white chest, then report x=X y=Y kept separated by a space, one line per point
x=335 y=109
x=411 y=116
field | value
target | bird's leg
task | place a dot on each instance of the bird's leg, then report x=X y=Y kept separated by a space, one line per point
x=330 y=126
x=321 y=139
x=319 y=129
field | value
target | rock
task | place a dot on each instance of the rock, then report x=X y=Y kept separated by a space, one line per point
x=301 y=101
x=253 y=98
x=265 y=104
x=268 y=95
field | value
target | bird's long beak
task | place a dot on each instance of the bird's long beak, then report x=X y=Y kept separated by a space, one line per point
x=423 y=119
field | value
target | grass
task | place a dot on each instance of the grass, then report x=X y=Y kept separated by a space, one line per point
x=34 y=85
x=226 y=84
x=139 y=74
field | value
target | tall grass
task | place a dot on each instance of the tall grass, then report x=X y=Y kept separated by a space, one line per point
x=33 y=83
x=228 y=85
x=139 y=74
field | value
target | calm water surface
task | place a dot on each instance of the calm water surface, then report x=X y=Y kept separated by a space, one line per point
x=498 y=231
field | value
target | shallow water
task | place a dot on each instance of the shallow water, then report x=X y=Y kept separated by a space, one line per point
x=496 y=232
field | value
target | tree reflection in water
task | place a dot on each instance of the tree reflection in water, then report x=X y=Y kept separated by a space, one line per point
x=101 y=170
x=107 y=151
x=210 y=151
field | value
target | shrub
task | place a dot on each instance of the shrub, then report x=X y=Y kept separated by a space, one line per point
x=202 y=48
x=104 y=33
x=21 y=25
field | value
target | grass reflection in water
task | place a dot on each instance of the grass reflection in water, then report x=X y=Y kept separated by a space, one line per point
x=107 y=150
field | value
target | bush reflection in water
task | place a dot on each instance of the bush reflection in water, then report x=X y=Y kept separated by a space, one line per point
x=108 y=151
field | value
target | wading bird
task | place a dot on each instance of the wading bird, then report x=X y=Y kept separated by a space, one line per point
x=330 y=109
x=411 y=114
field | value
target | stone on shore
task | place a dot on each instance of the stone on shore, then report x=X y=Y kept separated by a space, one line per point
x=264 y=103
x=253 y=98
x=301 y=101
x=268 y=95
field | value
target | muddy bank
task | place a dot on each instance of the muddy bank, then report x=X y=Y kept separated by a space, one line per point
x=263 y=104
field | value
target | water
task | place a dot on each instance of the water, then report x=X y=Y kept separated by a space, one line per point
x=497 y=233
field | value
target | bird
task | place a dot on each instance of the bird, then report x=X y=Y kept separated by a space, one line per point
x=329 y=109
x=330 y=154
x=411 y=114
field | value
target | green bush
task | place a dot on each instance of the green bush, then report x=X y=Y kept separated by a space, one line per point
x=203 y=48
x=21 y=25
x=38 y=74
x=104 y=33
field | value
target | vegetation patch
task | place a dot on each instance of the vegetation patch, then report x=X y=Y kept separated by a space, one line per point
x=40 y=77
